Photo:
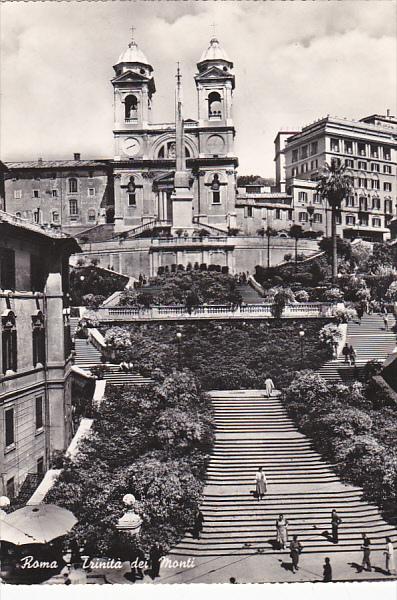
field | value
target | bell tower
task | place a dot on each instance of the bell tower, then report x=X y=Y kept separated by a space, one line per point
x=133 y=86
x=215 y=84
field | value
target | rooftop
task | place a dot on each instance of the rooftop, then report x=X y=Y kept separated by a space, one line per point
x=23 y=224
x=133 y=54
x=214 y=52
x=53 y=164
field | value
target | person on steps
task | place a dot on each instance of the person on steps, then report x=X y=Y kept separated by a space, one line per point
x=260 y=483
x=282 y=532
x=327 y=571
x=346 y=353
x=366 y=548
x=389 y=556
x=198 y=524
x=295 y=551
x=269 y=386
x=335 y=522
x=352 y=355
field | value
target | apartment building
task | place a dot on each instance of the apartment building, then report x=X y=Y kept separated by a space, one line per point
x=35 y=358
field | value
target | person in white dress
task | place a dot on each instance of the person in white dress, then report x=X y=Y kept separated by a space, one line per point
x=389 y=555
x=260 y=483
x=269 y=386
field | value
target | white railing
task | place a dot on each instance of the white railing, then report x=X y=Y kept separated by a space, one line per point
x=246 y=311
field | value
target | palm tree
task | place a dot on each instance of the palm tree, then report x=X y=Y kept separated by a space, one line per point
x=334 y=186
x=296 y=232
x=268 y=232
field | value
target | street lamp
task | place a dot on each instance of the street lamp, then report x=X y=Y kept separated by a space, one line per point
x=178 y=340
x=130 y=522
x=301 y=338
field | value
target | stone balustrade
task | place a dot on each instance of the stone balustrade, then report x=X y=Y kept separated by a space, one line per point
x=306 y=310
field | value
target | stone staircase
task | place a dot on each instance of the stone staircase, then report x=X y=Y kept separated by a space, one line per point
x=114 y=376
x=370 y=341
x=253 y=431
x=249 y=294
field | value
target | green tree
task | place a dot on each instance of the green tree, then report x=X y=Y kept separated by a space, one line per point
x=269 y=232
x=334 y=186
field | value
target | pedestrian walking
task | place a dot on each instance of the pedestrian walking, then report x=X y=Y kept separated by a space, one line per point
x=360 y=312
x=260 y=483
x=327 y=571
x=198 y=524
x=346 y=353
x=335 y=522
x=282 y=532
x=155 y=555
x=295 y=551
x=366 y=548
x=389 y=555
x=386 y=322
x=269 y=386
x=352 y=355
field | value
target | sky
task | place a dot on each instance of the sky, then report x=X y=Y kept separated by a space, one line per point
x=294 y=62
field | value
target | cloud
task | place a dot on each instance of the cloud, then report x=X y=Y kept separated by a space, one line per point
x=294 y=62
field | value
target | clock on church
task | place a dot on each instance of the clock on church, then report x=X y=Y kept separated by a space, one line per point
x=131 y=146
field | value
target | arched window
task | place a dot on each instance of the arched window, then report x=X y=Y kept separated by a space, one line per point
x=214 y=105
x=72 y=185
x=131 y=107
x=167 y=150
x=131 y=191
x=216 y=189
x=9 y=342
x=38 y=338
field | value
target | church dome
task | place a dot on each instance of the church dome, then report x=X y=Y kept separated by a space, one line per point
x=214 y=52
x=133 y=54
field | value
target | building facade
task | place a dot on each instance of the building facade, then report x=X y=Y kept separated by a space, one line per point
x=368 y=150
x=35 y=358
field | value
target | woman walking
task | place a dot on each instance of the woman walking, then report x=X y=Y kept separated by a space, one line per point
x=389 y=555
x=282 y=532
x=269 y=386
x=260 y=483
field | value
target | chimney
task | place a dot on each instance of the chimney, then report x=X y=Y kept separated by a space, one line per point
x=388 y=112
x=76 y=156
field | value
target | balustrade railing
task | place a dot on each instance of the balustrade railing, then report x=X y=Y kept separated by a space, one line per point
x=298 y=310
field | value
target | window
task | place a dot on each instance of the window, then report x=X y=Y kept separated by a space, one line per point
x=361 y=149
x=363 y=220
x=318 y=218
x=349 y=162
x=38 y=337
x=10 y=488
x=278 y=213
x=304 y=152
x=131 y=108
x=317 y=198
x=36 y=215
x=249 y=211
x=39 y=412
x=313 y=148
x=215 y=187
x=338 y=219
x=91 y=191
x=55 y=217
x=7 y=269
x=386 y=154
x=362 y=165
x=17 y=194
x=334 y=145
x=91 y=215
x=302 y=217
x=363 y=203
x=214 y=105
x=362 y=182
x=72 y=185
x=294 y=155
x=36 y=193
x=376 y=203
x=375 y=184
x=375 y=167
x=388 y=207
x=350 y=201
x=294 y=172
x=387 y=169
x=350 y=220
x=40 y=466
x=349 y=147
x=302 y=197
x=73 y=207
x=376 y=222
x=374 y=151
x=290 y=214
x=9 y=427
x=54 y=193
x=131 y=199
x=387 y=186
x=253 y=189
